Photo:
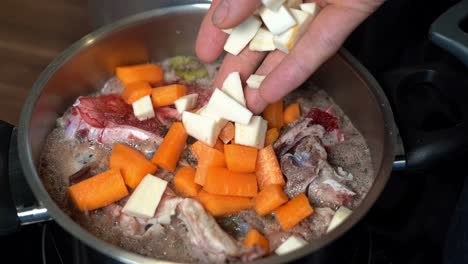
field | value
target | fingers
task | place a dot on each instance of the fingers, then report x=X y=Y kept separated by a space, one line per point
x=230 y=13
x=210 y=39
x=324 y=37
x=255 y=102
x=245 y=63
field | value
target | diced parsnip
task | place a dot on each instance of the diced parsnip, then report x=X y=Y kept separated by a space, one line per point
x=292 y=243
x=263 y=41
x=227 y=31
x=293 y=3
x=203 y=128
x=286 y=41
x=146 y=197
x=254 y=81
x=242 y=35
x=311 y=8
x=252 y=134
x=220 y=122
x=186 y=103
x=232 y=86
x=222 y=105
x=143 y=108
x=340 y=216
x=279 y=21
x=273 y=5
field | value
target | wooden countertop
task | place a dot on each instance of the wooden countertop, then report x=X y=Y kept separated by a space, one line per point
x=32 y=33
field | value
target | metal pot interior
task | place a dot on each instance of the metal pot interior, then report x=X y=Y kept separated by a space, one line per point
x=156 y=35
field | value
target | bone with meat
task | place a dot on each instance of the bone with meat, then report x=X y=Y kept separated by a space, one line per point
x=304 y=162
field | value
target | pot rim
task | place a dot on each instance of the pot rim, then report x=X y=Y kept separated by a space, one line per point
x=125 y=256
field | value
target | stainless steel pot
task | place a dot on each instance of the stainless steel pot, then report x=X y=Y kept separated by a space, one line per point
x=153 y=36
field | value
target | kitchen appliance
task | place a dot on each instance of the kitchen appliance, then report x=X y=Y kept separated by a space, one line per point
x=53 y=101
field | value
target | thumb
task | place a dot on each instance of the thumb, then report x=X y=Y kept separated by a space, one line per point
x=230 y=13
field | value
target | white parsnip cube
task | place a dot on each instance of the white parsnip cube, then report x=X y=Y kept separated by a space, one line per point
x=263 y=41
x=185 y=103
x=241 y=35
x=146 y=197
x=279 y=21
x=286 y=41
x=232 y=86
x=339 y=217
x=223 y=106
x=203 y=128
x=311 y=8
x=254 y=81
x=143 y=108
x=252 y=134
x=292 y=243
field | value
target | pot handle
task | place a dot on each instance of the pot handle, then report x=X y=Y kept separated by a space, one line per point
x=431 y=113
x=450 y=31
x=9 y=221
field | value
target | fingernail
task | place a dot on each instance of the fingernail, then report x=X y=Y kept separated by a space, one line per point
x=221 y=12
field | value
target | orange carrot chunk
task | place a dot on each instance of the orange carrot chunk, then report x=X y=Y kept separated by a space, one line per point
x=273 y=113
x=291 y=113
x=207 y=156
x=294 y=212
x=166 y=95
x=270 y=198
x=240 y=158
x=184 y=182
x=98 y=191
x=221 y=205
x=172 y=145
x=200 y=175
x=142 y=72
x=272 y=135
x=136 y=90
x=224 y=182
x=268 y=168
x=227 y=133
x=132 y=163
x=254 y=237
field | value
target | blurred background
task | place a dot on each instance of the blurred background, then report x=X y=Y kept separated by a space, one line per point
x=32 y=33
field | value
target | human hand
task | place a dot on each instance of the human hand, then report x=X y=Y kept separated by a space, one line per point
x=285 y=72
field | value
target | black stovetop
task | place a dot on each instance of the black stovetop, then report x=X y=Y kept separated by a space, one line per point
x=410 y=221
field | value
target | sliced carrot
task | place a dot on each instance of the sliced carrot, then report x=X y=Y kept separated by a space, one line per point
x=272 y=135
x=273 y=113
x=291 y=113
x=142 y=72
x=200 y=175
x=254 y=237
x=184 y=182
x=220 y=205
x=207 y=156
x=227 y=133
x=294 y=211
x=219 y=145
x=136 y=90
x=225 y=182
x=268 y=168
x=172 y=145
x=270 y=198
x=166 y=95
x=240 y=158
x=132 y=163
x=98 y=191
